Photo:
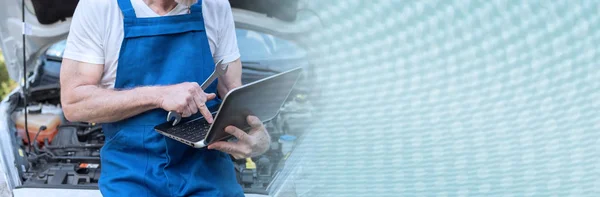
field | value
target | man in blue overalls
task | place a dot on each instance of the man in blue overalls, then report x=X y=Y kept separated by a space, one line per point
x=128 y=62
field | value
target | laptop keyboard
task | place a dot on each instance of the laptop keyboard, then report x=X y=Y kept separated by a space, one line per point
x=194 y=130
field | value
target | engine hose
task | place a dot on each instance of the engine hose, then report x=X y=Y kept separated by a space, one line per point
x=34 y=157
x=46 y=149
x=35 y=143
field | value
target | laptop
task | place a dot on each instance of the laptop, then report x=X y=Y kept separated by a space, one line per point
x=262 y=98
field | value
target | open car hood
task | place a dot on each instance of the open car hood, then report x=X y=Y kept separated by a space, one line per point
x=40 y=37
x=48 y=22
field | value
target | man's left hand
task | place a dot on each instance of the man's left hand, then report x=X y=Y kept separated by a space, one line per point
x=249 y=144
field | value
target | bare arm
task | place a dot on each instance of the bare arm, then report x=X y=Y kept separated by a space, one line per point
x=232 y=79
x=83 y=100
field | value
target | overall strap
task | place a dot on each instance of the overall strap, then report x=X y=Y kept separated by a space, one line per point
x=197 y=7
x=126 y=8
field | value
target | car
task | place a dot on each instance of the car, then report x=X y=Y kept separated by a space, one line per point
x=66 y=159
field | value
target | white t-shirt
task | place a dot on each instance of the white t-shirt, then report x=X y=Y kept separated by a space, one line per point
x=96 y=32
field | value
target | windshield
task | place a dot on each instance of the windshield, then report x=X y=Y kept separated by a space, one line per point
x=57 y=50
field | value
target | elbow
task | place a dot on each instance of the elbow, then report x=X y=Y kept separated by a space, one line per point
x=68 y=109
x=71 y=107
x=72 y=111
x=72 y=114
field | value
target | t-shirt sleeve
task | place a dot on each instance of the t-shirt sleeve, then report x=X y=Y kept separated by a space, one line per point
x=227 y=48
x=85 y=40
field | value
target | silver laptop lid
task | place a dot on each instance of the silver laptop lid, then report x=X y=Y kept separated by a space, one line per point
x=262 y=98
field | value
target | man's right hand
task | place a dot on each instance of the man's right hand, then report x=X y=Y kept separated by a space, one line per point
x=186 y=99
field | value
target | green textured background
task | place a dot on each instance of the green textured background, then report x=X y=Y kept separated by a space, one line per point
x=453 y=98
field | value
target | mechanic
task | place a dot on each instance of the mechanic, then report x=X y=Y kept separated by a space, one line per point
x=126 y=64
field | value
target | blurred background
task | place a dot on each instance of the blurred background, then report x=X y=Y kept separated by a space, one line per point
x=6 y=84
x=453 y=98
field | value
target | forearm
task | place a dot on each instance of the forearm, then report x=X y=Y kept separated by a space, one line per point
x=224 y=89
x=90 y=103
x=232 y=79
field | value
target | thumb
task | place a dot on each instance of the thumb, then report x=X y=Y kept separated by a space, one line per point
x=211 y=96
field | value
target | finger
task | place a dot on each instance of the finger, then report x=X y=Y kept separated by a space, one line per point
x=201 y=106
x=180 y=108
x=206 y=113
x=210 y=96
x=192 y=107
x=238 y=156
x=186 y=113
x=238 y=151
x=238 y=133
x=228 y=147
x=254 y=122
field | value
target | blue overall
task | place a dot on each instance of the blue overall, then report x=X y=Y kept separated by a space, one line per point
x=138 y=161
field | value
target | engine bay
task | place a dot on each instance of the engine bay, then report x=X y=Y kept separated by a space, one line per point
x=72 y=158
x=66 y=154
